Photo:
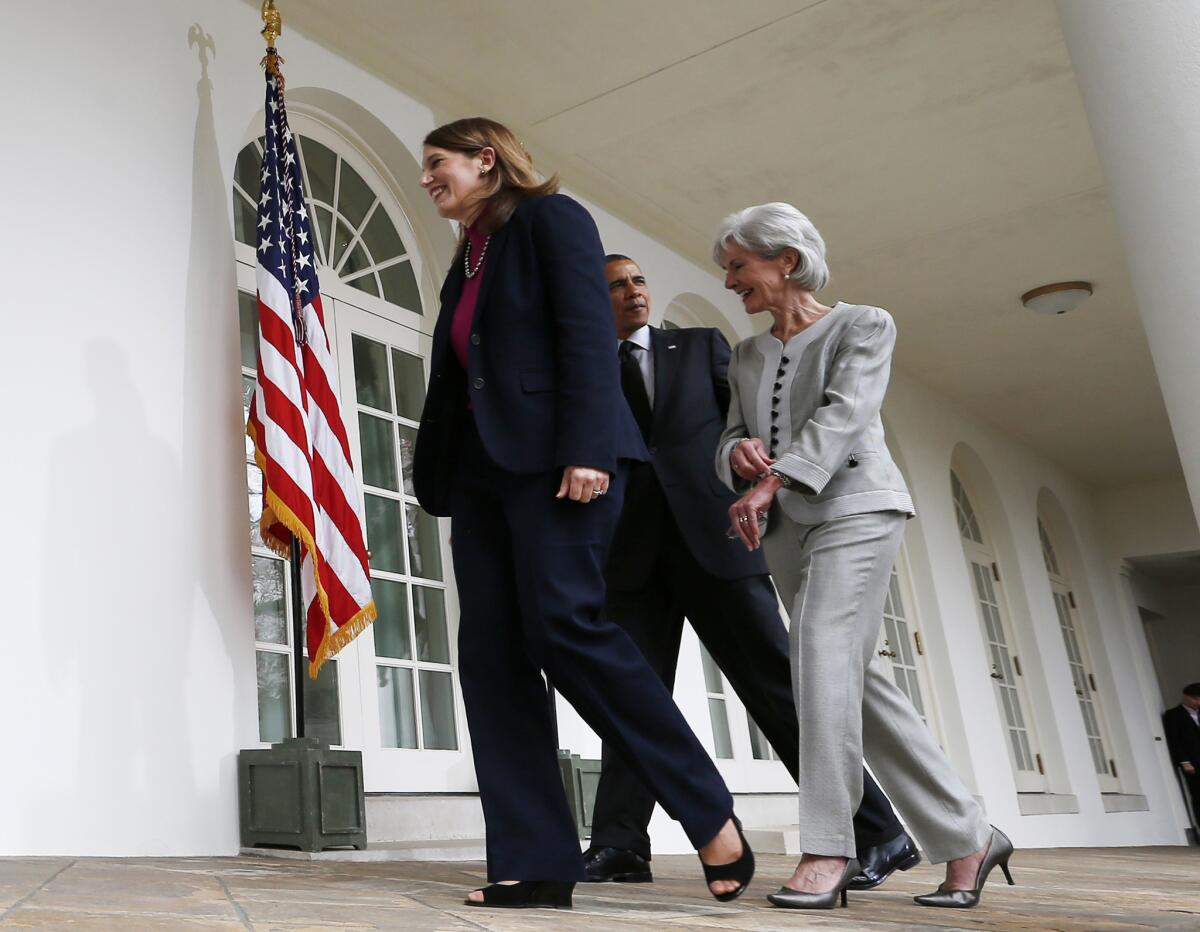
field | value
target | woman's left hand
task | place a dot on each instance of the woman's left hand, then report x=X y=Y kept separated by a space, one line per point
x=583 y=484
x=745 y=512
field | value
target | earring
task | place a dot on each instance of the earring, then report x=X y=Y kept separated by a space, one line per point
x=482 y=170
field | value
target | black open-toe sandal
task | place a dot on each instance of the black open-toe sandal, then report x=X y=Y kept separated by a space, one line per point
x=527 y=894
x=741 y=870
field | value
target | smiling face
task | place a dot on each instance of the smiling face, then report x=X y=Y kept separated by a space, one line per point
x=629 y=296
x=456 y=180
x=761 y=283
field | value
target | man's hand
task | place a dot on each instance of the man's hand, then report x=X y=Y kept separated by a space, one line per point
x=745 y=512
x=583 y=484
x=749 y=459
x=1188 y=767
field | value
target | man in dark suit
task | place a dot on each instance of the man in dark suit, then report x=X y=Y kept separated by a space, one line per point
x=671 y=557
x=1182 y=728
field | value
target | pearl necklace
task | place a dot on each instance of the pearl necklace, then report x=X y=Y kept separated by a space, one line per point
x=467 y=256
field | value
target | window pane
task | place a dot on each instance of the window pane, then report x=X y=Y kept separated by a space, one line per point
x=270 y=599
x=371 y=374
x=341 y=242
x=758 y=741
x=321 y=164
x=248 y=318
x=358 y=261
x=378 y=452
x=366 y=283
x=247 y=394
x=437 y=711
x=383 y=534
x=408 y=443
x=321 y=717
x=247 y=172
x=325 y=224
x=354 y=197
x=391 y=627
x=429 y=613
x=245 y=220
x=254 y=486
x=410 y=384
x=381 y=237
x=400 y=285
x=274 y=696
x=712 y=673
x=720 y=726
x=424 y=547
x=397 y=715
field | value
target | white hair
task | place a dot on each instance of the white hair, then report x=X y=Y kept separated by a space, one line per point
x=767 y=230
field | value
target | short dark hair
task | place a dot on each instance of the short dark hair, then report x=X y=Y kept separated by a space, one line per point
x=1193 y=690
x=617 y=257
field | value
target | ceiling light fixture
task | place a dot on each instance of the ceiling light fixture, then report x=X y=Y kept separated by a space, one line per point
x=1057 y=298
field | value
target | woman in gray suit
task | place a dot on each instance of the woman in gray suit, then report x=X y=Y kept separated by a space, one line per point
x=822 y=496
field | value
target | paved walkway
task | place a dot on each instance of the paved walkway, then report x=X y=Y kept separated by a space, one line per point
x=1094 y=889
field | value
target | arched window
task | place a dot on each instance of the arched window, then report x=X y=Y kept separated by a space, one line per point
x=1078 y=659
x=357 y=239
x=1006 y=673
x=393 y=692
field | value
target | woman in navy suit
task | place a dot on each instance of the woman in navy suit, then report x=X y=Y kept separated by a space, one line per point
x=522 y=443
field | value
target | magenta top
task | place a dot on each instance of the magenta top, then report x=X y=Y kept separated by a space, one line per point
x=464 y=314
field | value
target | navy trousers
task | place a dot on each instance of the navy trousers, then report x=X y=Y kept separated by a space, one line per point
x=530 y=573
x=738 y=621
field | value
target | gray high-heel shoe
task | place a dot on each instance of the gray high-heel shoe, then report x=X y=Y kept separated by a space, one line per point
x=796 y=899
x=999 y=850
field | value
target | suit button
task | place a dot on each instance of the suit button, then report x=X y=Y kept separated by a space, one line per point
x=652 y=449
x=474 y=339
x=478 y=383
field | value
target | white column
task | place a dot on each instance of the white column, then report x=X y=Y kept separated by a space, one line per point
x=1137 y=63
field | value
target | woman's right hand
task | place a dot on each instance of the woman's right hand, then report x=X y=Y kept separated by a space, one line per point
x=749 y=459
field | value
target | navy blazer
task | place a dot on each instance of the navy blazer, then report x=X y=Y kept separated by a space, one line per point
x=1183 y=736
x=691 y=399
x=542 y=377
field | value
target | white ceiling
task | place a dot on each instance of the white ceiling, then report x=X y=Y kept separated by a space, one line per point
x=940 y=146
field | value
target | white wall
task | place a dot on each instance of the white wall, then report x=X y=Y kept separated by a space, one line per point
x=130 y=675
x=130 y=679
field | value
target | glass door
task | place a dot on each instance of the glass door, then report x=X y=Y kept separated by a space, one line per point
x=414 y=736
x=901 y=644
x=1007 y=678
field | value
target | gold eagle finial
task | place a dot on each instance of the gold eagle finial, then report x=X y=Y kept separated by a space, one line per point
x=274 y=23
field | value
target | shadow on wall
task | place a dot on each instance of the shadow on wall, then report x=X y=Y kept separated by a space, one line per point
x=117 y=649
x=212 y=446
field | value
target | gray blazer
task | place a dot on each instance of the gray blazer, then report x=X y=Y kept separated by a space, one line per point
x=829 y=380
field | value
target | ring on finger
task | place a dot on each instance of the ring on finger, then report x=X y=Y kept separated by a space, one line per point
x=742 y=519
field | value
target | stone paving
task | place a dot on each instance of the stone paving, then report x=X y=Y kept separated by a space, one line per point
x=1092 y=889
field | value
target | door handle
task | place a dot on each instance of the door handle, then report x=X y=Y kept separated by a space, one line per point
x=888 y=653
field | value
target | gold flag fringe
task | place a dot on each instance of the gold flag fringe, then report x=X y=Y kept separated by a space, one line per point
x=276 y=512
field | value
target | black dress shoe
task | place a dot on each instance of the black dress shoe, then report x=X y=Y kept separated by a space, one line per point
x=607 y=865
x=880 y=862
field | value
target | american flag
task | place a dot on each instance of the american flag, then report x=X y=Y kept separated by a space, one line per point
x=309 y=487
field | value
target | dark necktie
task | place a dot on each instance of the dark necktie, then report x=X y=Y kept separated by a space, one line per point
x=634 y=387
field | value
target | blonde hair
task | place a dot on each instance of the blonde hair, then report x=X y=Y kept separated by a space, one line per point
x=514 y=179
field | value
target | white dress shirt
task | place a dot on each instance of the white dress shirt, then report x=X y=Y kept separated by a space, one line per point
x=644 y=354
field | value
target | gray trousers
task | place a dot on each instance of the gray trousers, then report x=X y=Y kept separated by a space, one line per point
x=834 y=578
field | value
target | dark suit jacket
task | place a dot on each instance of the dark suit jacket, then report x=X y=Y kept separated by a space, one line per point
x=1183 y=736
x=542 y=379
x=691 y=397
